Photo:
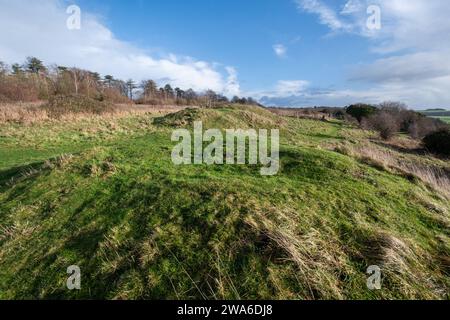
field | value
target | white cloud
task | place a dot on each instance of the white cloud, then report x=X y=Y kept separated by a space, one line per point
x=232 y=87
x=327 y=15
x=38 y=28
x=422 y=75
x=405 y=68
x=413 y=44
x=282 y=89
x=427 y=94
x=414 y=24
x=352 y=6
x=280 y=50
x=290 y=87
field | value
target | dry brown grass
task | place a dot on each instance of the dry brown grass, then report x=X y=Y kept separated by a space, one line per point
x=16 y=230
x=318 y=261
x=436 y=177
x=29 y=113
x=22 y=112
x=402 y=262
x=301 y=113
x=322 y=265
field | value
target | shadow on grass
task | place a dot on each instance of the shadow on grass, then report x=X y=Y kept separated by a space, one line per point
x=12 y=176
x=105 y=236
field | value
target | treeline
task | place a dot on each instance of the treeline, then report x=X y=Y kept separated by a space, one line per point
x=33 y=81
x=150 y=94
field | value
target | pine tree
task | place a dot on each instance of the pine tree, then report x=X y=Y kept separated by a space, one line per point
x=34 y=65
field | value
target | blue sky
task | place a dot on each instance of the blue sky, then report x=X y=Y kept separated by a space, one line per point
x=283 y=52
x=240 y=34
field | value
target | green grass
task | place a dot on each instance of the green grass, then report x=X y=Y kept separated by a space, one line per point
x=445 y=119
x=141 y=228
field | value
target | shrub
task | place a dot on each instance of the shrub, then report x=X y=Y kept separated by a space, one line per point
x=384 y=123
x=112 y=95
x=438 y=142
x=59 y=106
x=424 y=126
x=18 y=88
x=339 y=115
x=392 y=117
x=404 y=117
x=360 y=111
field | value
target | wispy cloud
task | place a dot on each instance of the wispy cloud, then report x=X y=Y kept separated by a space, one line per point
x=232 y=87
x=420 y=77
x=290 y=87
x=280 y=50
x=327 y=15
x=352 y=6
x=282 y=88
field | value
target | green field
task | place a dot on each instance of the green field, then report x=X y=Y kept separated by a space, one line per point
x=438 y=114
x=445 y=119
x=103 y=194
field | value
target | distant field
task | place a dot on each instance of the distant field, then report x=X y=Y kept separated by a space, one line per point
x=436 y=113
x=445 y=119
x=444 y=115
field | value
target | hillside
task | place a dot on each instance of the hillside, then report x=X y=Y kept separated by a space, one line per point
x=103 y=194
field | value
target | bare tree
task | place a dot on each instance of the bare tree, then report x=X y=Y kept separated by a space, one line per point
x=383 y=122
x=150 y=89
x=131 y=85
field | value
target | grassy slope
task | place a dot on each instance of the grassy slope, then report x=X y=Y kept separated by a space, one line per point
x=140 y=227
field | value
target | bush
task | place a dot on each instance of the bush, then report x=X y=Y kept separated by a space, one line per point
x=438 y=142
x=60 y=105
x=15 y=88
x=384 y=123
x=424 y=126
x=360 y=111
x=392 y=117
x=112 y=95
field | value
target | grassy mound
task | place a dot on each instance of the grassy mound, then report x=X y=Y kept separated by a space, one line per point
x=141 y=228
x=60 y=105
x=241 y=117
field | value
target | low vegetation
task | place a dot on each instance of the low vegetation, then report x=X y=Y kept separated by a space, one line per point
x=391 y=118
x=438 y=142
x=58 y=106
